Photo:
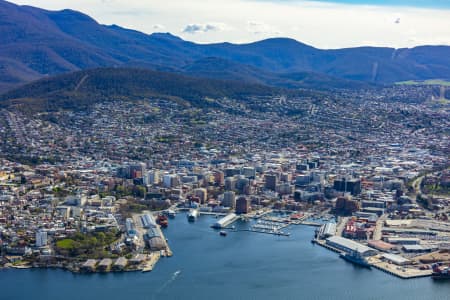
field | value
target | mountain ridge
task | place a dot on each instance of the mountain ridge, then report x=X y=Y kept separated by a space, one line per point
x=35 y=43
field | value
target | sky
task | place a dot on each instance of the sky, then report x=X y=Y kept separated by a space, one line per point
x=322 y=23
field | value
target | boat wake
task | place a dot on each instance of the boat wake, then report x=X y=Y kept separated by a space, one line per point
x=172 y=279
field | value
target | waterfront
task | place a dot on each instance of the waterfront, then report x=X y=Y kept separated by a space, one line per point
x=243 y=265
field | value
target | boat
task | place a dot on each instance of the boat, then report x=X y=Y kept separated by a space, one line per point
x=192 y=215
x=171 y=213
x=356 y=258
x=223 y=233
x=440 y=272
x=162 y=221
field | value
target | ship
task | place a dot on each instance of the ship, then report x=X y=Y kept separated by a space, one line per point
x=223 y=233
x=440 y=272
x=356 y=258
x=162 y=221
x=192 y=215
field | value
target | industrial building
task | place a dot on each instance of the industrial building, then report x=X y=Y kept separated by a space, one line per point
x=148 y=221
x=350 y=246
x=395 y=259
x=120 y=264
x=403 y=241
x=327 y=230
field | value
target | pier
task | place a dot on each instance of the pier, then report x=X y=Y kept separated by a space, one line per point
x=265 y=231
x=226 y=221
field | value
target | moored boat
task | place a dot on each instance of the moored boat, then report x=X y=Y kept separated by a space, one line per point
x=356 y=258
x=440 y=272
x=162 y=221
x=192 y=215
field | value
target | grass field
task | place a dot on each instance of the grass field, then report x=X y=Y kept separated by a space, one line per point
x=65 y=244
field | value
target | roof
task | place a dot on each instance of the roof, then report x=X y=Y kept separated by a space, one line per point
x=395 y=258
x=381 y=245
x=349 y=244
x=105 y=262
x=89 y=263
x=414 y=248
x=121 y=261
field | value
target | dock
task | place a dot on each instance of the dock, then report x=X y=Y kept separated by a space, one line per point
x=402 y=272
x=150 y=263
x=266 y=232
x=309 y=223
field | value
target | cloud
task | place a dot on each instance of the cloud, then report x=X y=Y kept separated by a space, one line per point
x=201 y=28
x=323 y=24
x=262 y=28
x=158 y=27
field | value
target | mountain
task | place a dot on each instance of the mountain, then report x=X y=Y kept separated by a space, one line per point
x=35 y=43
x=219 y=68
x=78 y=90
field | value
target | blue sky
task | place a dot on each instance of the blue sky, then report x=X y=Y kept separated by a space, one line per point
x=321 y=23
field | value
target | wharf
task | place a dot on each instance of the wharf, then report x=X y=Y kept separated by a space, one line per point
x=266 y=232
x=309 y=223
x=167 y=252
x=149 y=264
x=324 y=244
x=398 y=271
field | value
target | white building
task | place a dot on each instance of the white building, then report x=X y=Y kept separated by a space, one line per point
x=41 y=238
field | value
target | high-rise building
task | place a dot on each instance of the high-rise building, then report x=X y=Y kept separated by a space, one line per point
x=229 y=199
x=41 y=238
x=249 y=172
x=219 y=177
x=230 y=183
x=202 y=194
x=242 y=205
x=352 y=185
x=271 y=181
x=170 y=180
x=152 y=177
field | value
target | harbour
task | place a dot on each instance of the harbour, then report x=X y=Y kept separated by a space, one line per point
x=243 y=264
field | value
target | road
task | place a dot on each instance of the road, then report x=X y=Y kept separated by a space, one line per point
x=341 y=225
x=377 y=233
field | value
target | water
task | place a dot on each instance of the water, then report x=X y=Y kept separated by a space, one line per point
x=242 y=265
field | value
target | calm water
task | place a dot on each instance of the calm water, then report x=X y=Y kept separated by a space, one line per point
x=242 y=265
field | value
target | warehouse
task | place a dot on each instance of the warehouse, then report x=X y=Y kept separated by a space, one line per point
x=148 y=221
x=225 y=221
x=403 y=241
x=349 y=246
x=395 y=259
